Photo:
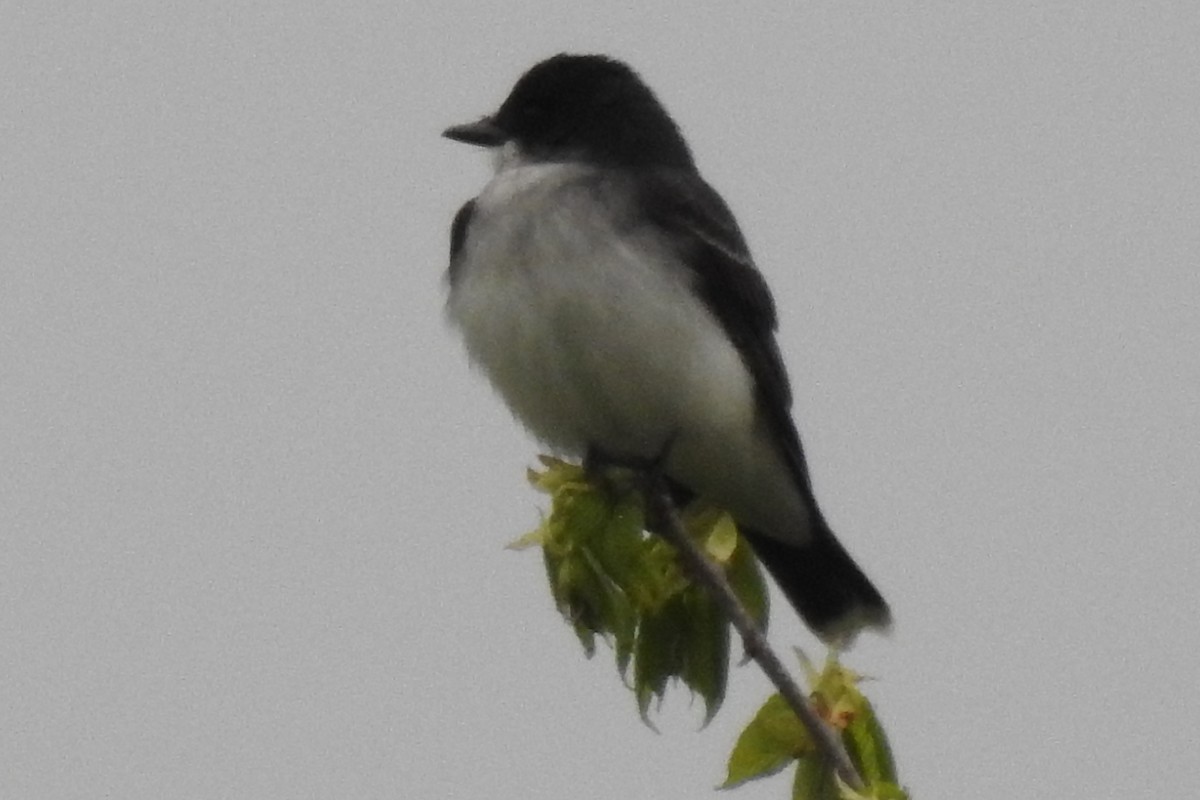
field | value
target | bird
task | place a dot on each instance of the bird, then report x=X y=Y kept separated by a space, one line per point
x=606 y=291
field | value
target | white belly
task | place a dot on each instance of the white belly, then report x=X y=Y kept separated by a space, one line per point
x=595 y=339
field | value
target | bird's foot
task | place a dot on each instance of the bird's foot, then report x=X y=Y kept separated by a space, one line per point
x=617 y=475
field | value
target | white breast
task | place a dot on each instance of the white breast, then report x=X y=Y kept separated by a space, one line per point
x=594 y=337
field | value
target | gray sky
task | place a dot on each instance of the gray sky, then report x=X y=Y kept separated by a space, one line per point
x=254 y=501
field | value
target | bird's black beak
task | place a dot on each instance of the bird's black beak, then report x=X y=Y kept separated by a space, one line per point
x=484 y=132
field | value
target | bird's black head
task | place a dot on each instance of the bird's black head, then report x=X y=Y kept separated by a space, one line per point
x=573 y=107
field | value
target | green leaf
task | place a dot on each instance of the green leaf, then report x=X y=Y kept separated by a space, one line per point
x=841 y=702
x=579 y=599
x=868 y=746
x=711 y=528
x=617 y=618
x=612 y=580
x=659 y=578
x=814 y=780
x=556 y=474
x=775 y=738
x=706 y=650
x=877 y=791
x=535 y=538
x=746 y=578
x=772 y=740
x=635 y=562
x=658 y=653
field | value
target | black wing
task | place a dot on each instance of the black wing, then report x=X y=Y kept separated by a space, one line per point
x=711 y=244
x=458 y=235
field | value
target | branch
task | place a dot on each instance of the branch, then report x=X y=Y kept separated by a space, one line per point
x=828 y=743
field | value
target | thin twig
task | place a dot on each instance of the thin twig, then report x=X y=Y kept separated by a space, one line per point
x=829 y=744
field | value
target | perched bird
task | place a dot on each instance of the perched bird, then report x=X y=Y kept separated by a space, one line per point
x=606 y=291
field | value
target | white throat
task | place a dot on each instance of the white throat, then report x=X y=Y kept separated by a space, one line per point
x=507 y=156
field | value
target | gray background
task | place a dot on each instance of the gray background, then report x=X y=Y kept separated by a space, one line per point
x=253 y=501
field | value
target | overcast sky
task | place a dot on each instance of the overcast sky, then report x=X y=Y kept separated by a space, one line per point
x=253 y=500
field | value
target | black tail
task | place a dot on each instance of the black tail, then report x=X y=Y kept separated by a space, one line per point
x=824 y=584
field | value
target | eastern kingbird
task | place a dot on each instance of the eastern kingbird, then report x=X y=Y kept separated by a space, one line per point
x=608 y=294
